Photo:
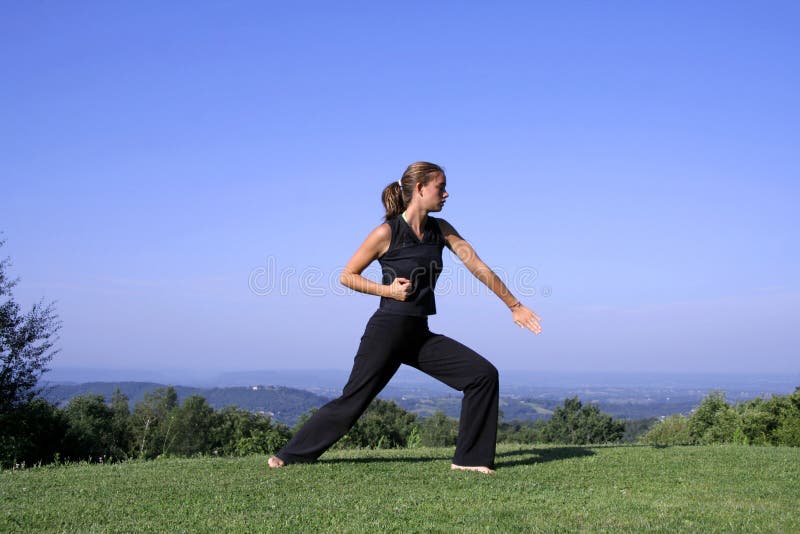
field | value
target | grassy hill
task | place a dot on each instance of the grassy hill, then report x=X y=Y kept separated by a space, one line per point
x=536 y=488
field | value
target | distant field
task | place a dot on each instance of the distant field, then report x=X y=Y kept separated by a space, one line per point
x=536 y=488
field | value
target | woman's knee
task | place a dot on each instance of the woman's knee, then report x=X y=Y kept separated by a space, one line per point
x=487 y=374
x=492 y=374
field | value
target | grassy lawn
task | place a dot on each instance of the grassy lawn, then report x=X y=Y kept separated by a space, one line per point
x=536 y=488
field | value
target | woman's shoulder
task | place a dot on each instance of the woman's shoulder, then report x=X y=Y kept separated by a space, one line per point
x=383 y=230
x=378 y=240
x=443 y=225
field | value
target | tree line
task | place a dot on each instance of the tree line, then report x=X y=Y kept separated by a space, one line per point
x=772 y=421
x=91 y=429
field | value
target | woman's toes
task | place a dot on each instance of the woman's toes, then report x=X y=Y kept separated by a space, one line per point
x=274 y=461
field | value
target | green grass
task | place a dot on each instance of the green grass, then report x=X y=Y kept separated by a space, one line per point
x=536 y=488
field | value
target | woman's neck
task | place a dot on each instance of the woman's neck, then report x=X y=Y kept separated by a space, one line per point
x=416 y=219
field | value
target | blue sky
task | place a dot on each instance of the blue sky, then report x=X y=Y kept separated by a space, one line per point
x=629 y=168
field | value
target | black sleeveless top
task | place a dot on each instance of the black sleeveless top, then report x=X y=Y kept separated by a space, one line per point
x=418 y=261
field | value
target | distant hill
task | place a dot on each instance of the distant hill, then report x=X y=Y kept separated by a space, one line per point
x=284 y=404
x=287 y=403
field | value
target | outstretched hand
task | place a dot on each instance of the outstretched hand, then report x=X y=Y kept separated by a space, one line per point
x=524 y=317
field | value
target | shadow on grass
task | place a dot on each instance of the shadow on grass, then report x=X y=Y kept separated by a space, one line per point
x=503 y=459
x=379 y=459
x=538 y=456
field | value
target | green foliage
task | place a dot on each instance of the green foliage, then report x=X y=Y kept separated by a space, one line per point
x=773 y=421
x=31 y=433
x=263 y=441
x=637 y=429
x=438 y=430
x=787 y=430
x=90 y=429
x=672 y=430
x=282 y=404
x=714 y=421
x=162 y=427
x=159 y=426
x=152 y=421
x=575 y=423
x=414 y=439
x=191 y=429
x=121 y=424
x=384 y=425
x=238 y=432
x=521 y=432
x=27 y=343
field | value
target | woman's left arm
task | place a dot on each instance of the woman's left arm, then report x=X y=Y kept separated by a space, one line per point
x=523 y=316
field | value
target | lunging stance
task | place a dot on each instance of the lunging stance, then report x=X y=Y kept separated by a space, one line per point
x=408 y=246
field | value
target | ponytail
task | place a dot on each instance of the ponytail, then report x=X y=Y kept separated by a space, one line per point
x=393 y=200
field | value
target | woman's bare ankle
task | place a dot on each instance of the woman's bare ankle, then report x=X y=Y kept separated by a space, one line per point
x=275 y=462
x=476 y=468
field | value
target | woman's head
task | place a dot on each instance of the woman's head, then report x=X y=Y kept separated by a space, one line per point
x=397 y=197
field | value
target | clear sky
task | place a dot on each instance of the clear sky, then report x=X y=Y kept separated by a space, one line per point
x=186 y=179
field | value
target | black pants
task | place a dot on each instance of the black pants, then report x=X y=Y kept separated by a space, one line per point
x=388 y=341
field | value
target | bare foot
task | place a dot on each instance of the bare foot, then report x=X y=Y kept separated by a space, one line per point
x=275 y=462
x=476 y=468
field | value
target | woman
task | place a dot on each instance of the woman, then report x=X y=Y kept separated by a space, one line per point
x=409 y=248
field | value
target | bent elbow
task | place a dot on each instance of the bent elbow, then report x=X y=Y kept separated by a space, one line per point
x=344 y=279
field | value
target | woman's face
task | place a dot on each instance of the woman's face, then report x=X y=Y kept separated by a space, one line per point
x=433 y=193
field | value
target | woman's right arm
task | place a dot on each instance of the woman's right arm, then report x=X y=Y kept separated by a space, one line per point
x=374 y=246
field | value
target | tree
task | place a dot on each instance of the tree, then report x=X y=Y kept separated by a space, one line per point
x=152 y=423
x=520 y=432
x=788 y=432
x=578 y=424
x=672 y=430
x=714 y=421
x=32 y=433
x=90 y=431
x=27 y=343
x=239 y=432
x=121 y=424
x=191 y=430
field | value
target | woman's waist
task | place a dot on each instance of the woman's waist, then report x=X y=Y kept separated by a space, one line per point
x=403 y=311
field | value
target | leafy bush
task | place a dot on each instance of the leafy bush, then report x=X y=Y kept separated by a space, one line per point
x=578 y=424
x=263 y=441
x=773 y=421
x=438 y=430
x=90 y=429
x=384 y=425
x=32 y=433
x=714 y=421
x=672 y=430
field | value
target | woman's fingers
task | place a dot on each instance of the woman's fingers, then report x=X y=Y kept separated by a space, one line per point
x=529 y=320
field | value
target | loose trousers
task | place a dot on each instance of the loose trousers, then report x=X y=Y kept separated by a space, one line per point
x=390 y=340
